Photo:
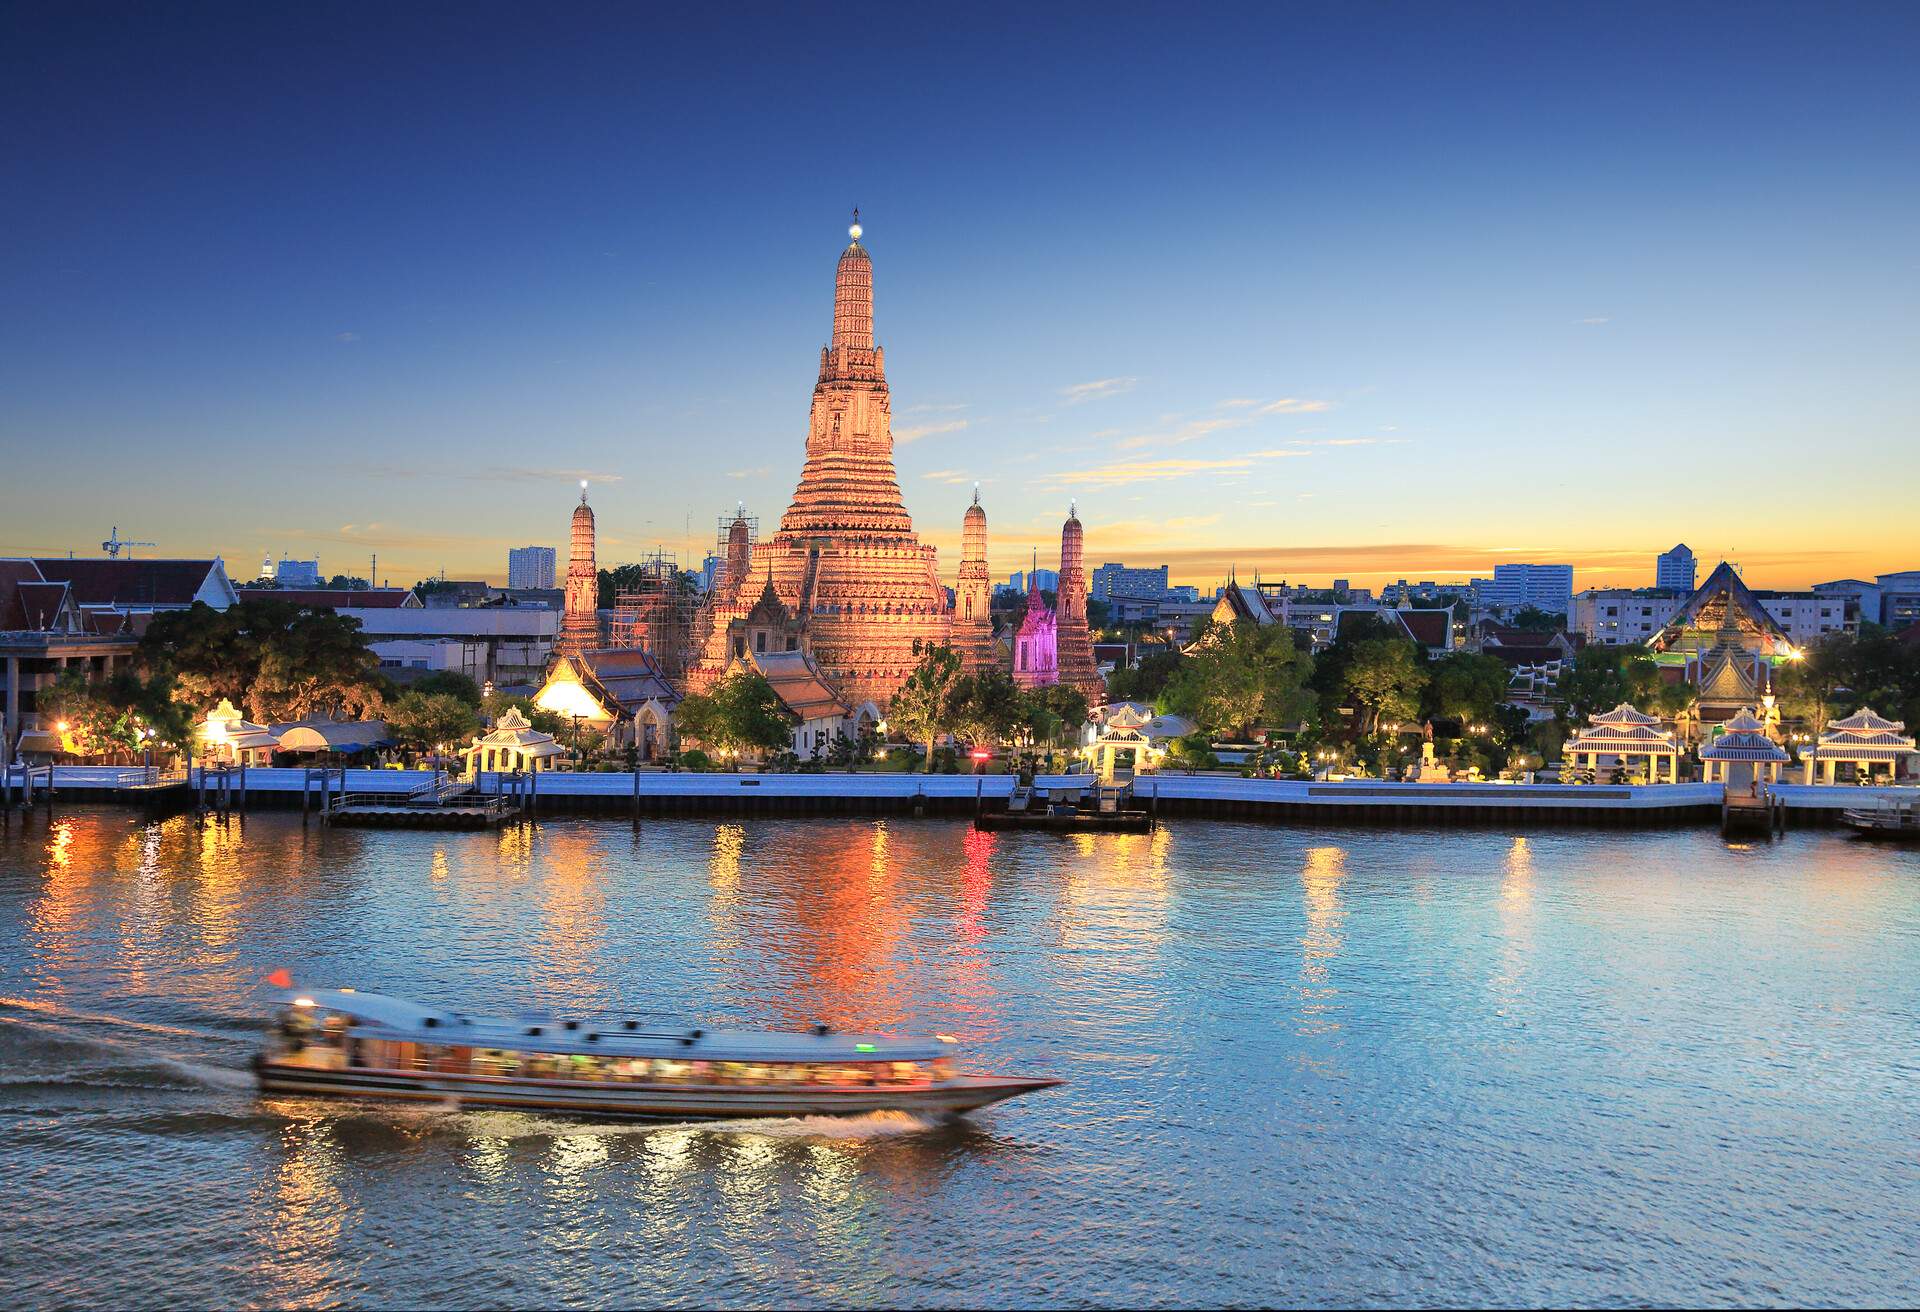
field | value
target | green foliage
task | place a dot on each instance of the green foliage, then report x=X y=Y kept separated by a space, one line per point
x=1147 y=678
x=848 y=752
x=927 y=703
x=1535 y=620
x=1465 y=687
x=1238 y=676
x=987 y=707
x=426 y=721
x=695 y=759
x=944 y=760
x=1848 y=671
x=1194 y=752
x=1601 y=677
x=109 y=716
x=453 y=684
x=1385 y=678
x=1055 y=712
x=740 y=716
x=280 y=661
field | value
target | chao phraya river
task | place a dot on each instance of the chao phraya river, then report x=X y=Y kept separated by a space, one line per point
x=1306 y=1065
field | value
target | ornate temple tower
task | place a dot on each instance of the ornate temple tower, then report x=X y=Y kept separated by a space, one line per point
x=845 y=563
x=1036 y=658
x=580 y=622
x=973 y=594
x=1076 y=642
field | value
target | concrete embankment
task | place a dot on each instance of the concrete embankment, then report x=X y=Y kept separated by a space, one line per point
x=1168 y=796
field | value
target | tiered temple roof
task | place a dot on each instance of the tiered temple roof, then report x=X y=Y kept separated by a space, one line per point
x=845 y=561
x=1620 y=731
x=1075 y=640
x=973 y=595
x=580 y=622
x=1745 y=739
x=1863 y=736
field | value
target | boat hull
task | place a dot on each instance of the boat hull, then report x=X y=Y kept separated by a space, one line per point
x=639 y=1102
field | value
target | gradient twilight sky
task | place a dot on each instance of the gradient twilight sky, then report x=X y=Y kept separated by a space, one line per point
x=1368 y=290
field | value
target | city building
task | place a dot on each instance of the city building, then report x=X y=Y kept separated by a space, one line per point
x=580 y=622
x=1676 y=570
x=517 y=641
x=530 y=567
x=44 y=633
x=1891 y=600
x=407 y=659
x=1114 y=581
x=140 y=587
x=1547 y=588
x=972 y=634
x=298 y=573
x=1633 y=616
x=1074 y=639
x=1724 y=642
x=845 y=563
x=1021 y=582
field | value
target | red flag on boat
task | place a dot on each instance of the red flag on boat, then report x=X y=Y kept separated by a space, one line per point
x=280 y=979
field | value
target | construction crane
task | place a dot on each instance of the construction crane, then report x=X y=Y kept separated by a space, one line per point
x=114 y=544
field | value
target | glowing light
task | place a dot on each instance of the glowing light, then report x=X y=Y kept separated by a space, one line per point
x=346 y=990
x=855 y=231
x=303 y=1002
x=864 y=1047
x=979 y=755
x=946 y=1038
x=62 y=726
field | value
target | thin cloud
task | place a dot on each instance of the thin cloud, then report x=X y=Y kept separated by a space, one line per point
x=760 y=472
x=918 y=431
x=1293 y=405
x=500 y=474
x=1598 y=318
x=1191 y=431
x=346 y=337
x=1098 y=390
x=1236 y=403
x=952 y=476
x=935 y=409
x=1126 y=472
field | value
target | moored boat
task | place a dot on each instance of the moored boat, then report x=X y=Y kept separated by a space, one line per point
x=339 y=1043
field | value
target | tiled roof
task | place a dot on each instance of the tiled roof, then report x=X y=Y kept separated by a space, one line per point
x=319 y=598
x=129 y=582
x=629 y=675
x=799 y=684
x=1429 y=628
x=1624 y=714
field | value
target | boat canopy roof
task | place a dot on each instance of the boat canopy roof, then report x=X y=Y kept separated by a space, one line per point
x=376 y=1016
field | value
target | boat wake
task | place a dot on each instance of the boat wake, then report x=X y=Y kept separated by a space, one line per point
x=52 y=1045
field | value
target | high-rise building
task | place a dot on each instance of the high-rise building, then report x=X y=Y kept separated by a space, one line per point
x=1676 y=570
x=1546 y=588
x=580 y=619
x=530 y=567
x=1113 y=580
x=861 y=590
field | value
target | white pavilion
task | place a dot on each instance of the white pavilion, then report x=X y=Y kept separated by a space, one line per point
x=1743 y=755
x=513 y=745
x=1616 y=739
x=226 y=735
x=1863 y=740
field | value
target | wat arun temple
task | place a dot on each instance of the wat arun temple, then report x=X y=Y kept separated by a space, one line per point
x=845 y=579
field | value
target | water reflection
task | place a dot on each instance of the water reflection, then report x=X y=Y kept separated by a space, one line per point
x=1320 y=943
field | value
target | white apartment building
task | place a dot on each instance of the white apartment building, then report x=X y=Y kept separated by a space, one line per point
x=530 y=567
x=1626 y=616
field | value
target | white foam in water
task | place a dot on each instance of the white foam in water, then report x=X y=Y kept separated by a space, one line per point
x=213 y=1077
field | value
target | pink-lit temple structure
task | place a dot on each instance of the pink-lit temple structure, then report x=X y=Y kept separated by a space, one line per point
x=580 y=619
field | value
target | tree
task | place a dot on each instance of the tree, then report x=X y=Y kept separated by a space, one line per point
x=453 y=683
x=1147 y=677
x=1240 y=675
x=424 y=721
x=1062 y=707
x=320 y=665
x=114 y=714
x=347 y=583
x=740 y=716
x=281 y=661
x=1465 y=687
x=988 y=706
x=1602 y=676
x=848 y=751
x=1535 y=620
x=924 y=707
x=1385 y=680
x=497 y=704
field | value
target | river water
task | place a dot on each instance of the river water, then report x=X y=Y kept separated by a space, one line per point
x=1304 y=1065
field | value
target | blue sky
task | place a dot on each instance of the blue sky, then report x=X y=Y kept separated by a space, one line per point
x=1361 y=290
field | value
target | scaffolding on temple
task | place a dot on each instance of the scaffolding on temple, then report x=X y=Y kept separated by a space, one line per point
x=657 y=607
x=733 y=543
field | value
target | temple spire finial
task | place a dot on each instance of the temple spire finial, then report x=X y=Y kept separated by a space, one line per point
x=583 y=491
x=976 y=494
x=855 y=231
